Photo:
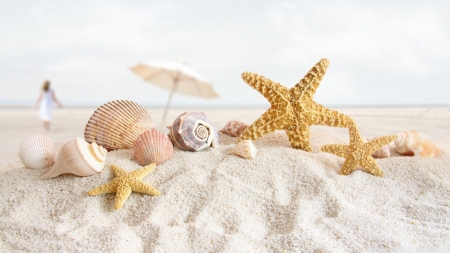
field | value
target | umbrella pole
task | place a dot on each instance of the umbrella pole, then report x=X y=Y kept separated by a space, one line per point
x=167 y=105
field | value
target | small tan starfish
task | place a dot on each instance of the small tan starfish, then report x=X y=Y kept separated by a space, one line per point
x=293 y=110
x=358 y=152
x=126 y=182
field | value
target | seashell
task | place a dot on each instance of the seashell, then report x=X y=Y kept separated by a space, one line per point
x=411 y=143
x=152 y=147
x=37 y=151
x=244 y=148
x=117 y=124
x=233 y=128
x=78 y=157
x=383 y=152
x=193 y=131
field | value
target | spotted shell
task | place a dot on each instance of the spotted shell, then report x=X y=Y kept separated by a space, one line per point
x=37 y=151
x=233 y=128
x=411 y=143
x=383 y=152
x=193 y=131
x=117 y=124
x=152 y=147
x=244 y=148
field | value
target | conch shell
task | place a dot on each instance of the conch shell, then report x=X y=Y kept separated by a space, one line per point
x=233 y=128
x=78 y=157
x=411 y=143
x=193 y=131
x=152 y=147
x=37 y=151
x=383 y=152
x=244 y=148
x=117 y=124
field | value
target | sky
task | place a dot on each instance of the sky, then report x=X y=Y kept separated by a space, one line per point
x=381 y=53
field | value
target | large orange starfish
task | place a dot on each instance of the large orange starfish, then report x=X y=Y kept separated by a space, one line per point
x=292 y=110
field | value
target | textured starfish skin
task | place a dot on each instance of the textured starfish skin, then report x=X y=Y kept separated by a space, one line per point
x=359 y=153
x=292 y=110
x=125 y=183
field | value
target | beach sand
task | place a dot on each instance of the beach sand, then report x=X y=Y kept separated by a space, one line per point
x=283 y=200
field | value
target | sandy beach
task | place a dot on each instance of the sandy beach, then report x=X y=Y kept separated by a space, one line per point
x=283 y=200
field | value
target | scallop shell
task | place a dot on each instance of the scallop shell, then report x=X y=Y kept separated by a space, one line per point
x=193 y=131
x=152 y=147
x=411 y=143
x=117 y=124
x=244 y=148
x=37 y=151
x=78 y=157
x=233 y=128
x=383 y=152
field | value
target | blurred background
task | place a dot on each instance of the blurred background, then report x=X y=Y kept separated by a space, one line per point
x=388 y=53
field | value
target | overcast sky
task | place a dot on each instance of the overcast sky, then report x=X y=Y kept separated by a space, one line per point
x=383 y=53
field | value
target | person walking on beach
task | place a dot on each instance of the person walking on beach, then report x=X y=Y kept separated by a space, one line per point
x=47 y=96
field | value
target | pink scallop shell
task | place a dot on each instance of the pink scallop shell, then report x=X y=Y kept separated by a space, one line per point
x=233 y=128
x=152 y=147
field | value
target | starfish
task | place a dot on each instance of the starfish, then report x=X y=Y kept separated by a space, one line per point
x=292 y=110
x=359 y=153
x=126 y=182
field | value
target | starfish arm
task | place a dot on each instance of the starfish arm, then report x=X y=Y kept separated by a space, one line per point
x=266 y=123
x=299 y=137
x=371 y=166
x=349 y=166
x=356 y=141
x=378 y=143
x=321 y=115
x=118 y=172
x=106 y=188
x=336 y=149
x=122 y=194
x=308 y=85
x=142 y=172
x=272 y=91
x=142 y=187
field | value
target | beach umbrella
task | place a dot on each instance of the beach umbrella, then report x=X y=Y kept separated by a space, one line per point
x=177 y=77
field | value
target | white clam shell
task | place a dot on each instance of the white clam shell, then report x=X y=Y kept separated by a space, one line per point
x=78 y=157
x=244 y=148
x=37 y=151
x=152 y=146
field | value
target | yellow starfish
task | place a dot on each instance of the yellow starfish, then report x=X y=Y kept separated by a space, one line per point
x=125 y=183
x=358 y=152
x=293 y=110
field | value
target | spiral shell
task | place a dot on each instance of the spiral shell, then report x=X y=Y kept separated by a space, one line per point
x=152 y=147
x=193 y=131
x=244 y=148
x=411 y=143
x=78 y=157
x=117 y=124
x=383 y=152
x=37 y=151
x=233 y=128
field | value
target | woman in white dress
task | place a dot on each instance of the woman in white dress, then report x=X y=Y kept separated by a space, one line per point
x=47 y=96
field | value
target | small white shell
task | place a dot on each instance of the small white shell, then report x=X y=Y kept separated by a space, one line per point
x=383 y=152
x=37 y=151
x=152 y=147
x=244 y=148
x=78 y=157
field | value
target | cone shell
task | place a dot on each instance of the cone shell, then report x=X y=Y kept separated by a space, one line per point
x=233 y=128
x=78 y=157
x=244 y=148
x=152 y=147
x=117 y=124
x=411 y=143
x=383 y=152
x=37 y=151
x=193 y=131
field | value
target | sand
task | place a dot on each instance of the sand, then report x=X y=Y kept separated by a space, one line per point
x=284 y=200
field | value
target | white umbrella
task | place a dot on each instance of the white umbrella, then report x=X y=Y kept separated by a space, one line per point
x=176 y=77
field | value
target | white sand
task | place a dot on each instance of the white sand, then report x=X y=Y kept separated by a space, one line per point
x=284 y=200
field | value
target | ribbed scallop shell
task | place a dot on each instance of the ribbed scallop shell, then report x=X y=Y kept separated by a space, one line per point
x=193 y=131
x=244 y=148
x=37 y=151
x=411 y=143
x=117 y=124
x=234 y=128
x=78 y=157
x=152 y=147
